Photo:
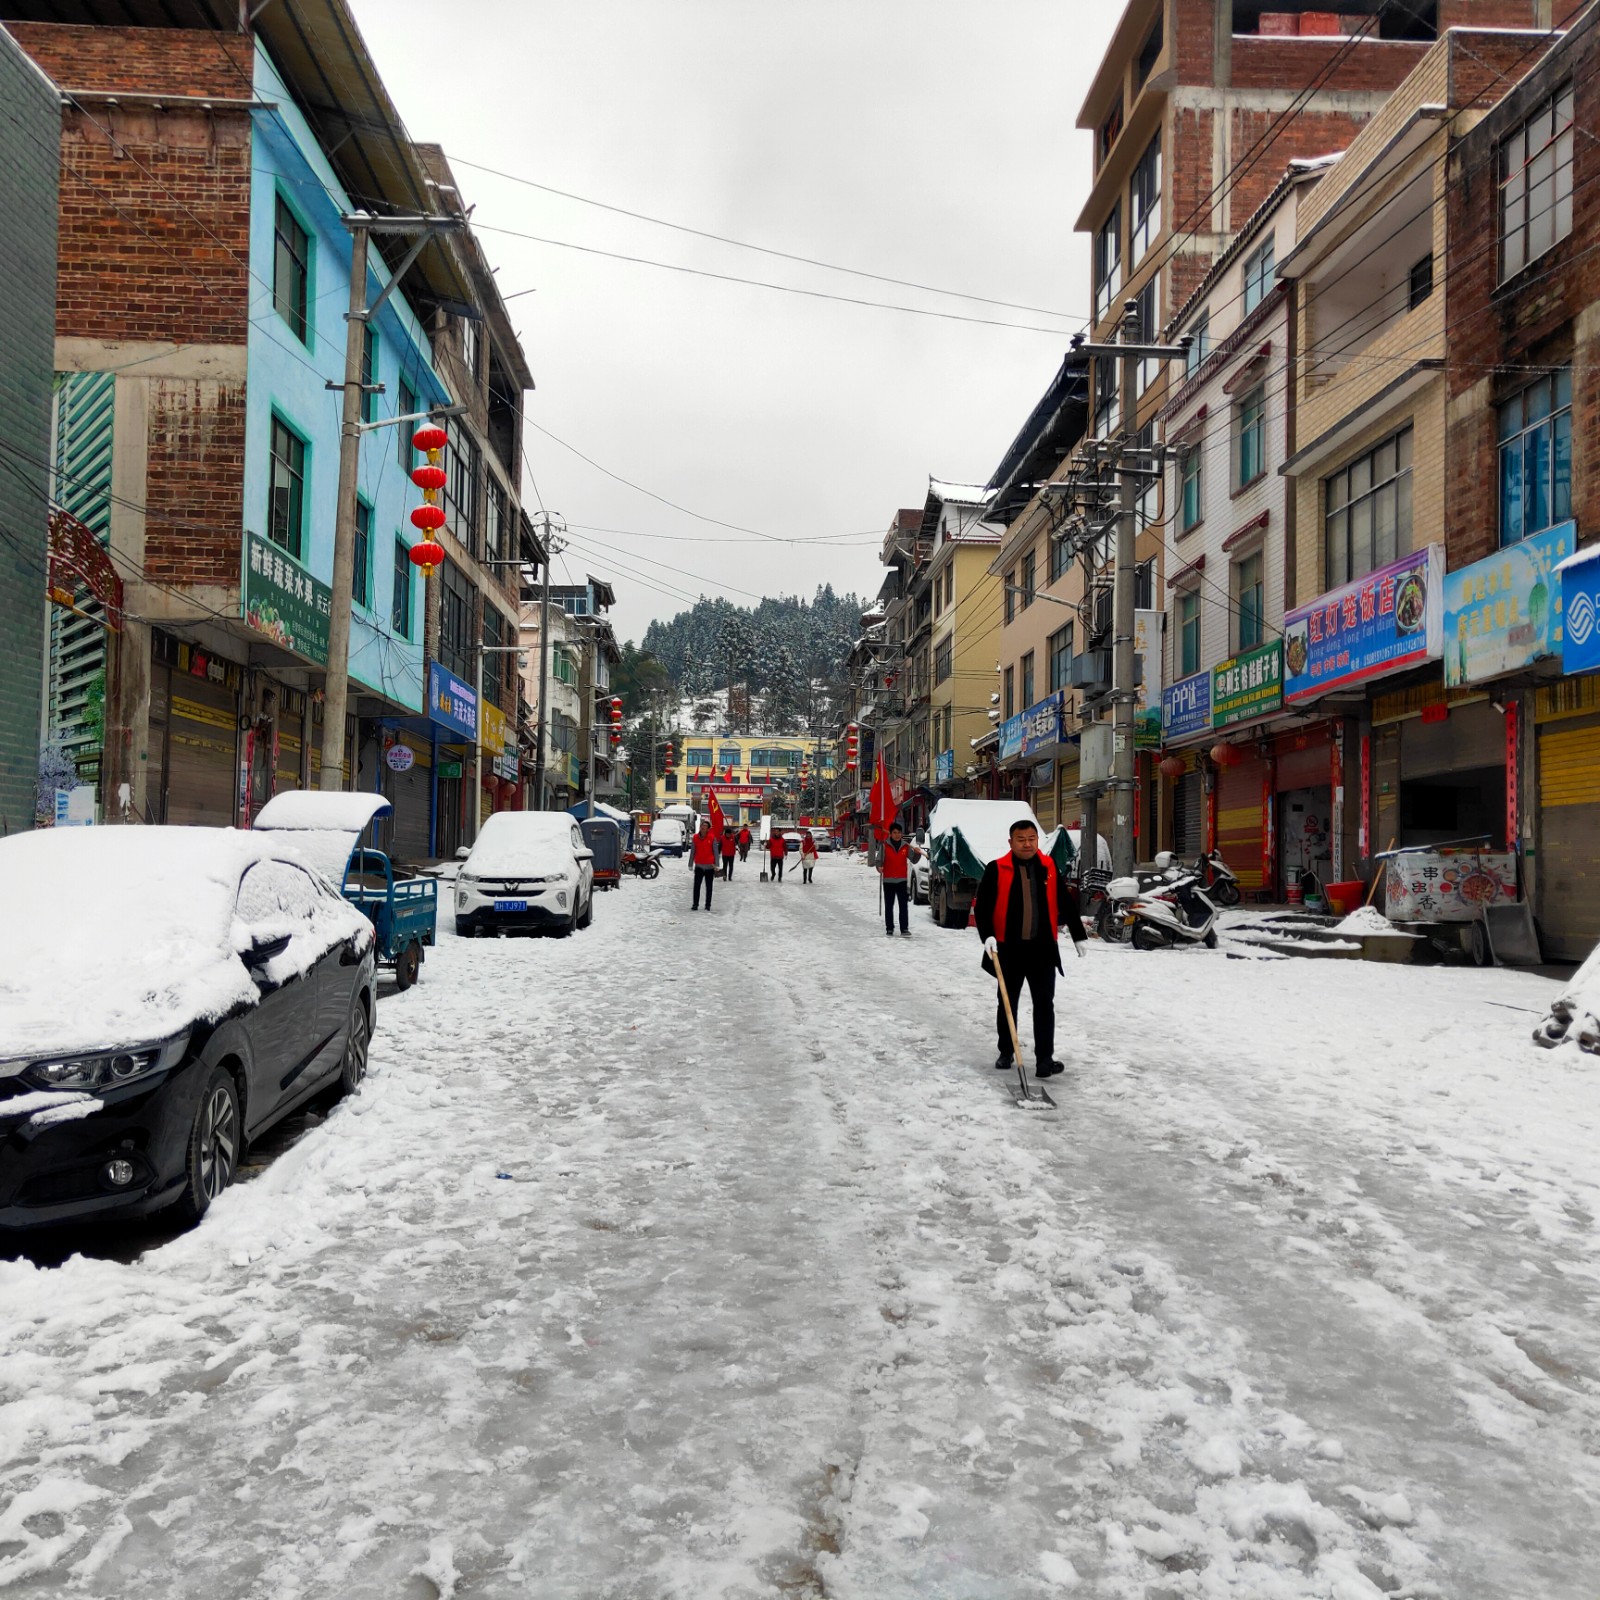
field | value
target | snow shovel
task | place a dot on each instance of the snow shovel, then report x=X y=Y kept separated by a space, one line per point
x=1036 y=1098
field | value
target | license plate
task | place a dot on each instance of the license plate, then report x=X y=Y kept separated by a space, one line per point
x=511 y=905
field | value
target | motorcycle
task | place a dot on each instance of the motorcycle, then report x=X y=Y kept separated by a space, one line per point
x=1178 y=913
x=1216 y=878
x=642 y=863
x=1111 y=915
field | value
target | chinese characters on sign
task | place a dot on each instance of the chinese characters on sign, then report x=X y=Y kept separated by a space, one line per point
x=1011 y=737
x=282 y=600
x=1433 y=886
x=1249 y=685
x=1186 y=706
x=1041 y=725
x=1390 y=619
x=944 y=766
x=1504 y=612
x=451 y=703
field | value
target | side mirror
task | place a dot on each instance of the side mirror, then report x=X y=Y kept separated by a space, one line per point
x=463 y=851
x=262 y=949
x=584 y=855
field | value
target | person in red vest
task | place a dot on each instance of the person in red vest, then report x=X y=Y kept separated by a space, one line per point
x=730 y=847
x=895 y=869
x=1019 y=909
x=776 y=849
x=703 y=853
x=744 y=844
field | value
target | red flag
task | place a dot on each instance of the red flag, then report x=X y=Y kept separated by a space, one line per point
x=881 y=805
x=717 y=824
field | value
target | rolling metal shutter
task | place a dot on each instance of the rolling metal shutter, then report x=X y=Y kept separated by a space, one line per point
x=1188 y=815
x=1470 y=736
x=411 y=794
x=202 y=783
x=1569 y=805
x=1239 y=820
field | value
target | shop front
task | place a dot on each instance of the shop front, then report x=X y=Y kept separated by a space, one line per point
x=497 y=740
x=193 y=749
x=453 y=713
x=1185 y=729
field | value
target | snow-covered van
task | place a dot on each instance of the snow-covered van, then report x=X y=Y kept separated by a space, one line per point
x=671 y=832
x=964 y=836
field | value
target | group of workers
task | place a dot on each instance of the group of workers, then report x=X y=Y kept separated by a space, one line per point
x=711 y=851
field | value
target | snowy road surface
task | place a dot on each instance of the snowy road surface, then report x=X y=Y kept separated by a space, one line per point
x=706 y=1256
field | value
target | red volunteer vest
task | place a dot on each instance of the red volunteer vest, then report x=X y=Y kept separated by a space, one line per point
x=705 y=850
x=729 y=844
x=776 y=846
x=1005 y=869
x=895 y=862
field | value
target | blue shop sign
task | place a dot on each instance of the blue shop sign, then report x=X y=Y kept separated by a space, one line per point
x=1041 y=725
x=1503 y=613
x=1186 y=706
x=1011 y=737
x=1580 y=607
x=944 y=767
x=451 y=703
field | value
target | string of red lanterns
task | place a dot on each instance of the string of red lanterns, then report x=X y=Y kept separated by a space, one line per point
x=427 y=553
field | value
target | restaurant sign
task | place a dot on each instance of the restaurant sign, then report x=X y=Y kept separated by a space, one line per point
x=1503 y=613
x=1186 y=707
x=1389 y=620
x=1247 y=686
x=280 y=599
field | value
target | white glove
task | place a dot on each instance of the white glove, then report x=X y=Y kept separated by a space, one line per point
x=991 y=945
x=1077 y=945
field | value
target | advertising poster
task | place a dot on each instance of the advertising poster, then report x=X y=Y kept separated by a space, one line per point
x=1580 y=611
x=1186 y=707
x=1147 y=707
x=1248 y=685
x=281 y=600
x=1503 y=613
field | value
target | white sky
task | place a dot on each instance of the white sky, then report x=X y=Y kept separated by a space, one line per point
x=930 y=140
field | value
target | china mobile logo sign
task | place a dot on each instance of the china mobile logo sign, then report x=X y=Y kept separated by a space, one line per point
x=1580 y=618
x=1580 y=605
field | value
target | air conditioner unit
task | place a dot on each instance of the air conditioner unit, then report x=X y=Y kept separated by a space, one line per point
x=1091 y=670
x=1094 y=753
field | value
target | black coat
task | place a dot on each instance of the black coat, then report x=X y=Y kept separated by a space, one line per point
x=987 y=913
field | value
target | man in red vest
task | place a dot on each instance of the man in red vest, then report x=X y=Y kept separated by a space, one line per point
x=895 y=868
x=730 y=846
x=1020 y=906
x=776 y=850
x=703 y=852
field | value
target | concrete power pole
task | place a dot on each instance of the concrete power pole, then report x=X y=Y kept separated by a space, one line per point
x=552 y=548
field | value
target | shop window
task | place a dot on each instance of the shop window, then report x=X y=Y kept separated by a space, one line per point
x=286 y=511
x=1144 y=205
x=360 y=574
x=1260 y=274
x=943 y=659
x=1367 y=522
x=1250 y=437
x=1536 y=457
x=291 y=271
x=1536 y=184
x=1252 y=592
x=1027 y=680
x=1190 y=472
x=1199 y=332
x=1061 y=659
x=1455 y=805
x=1188 y=633
x=1108 y=262
x=400 y=597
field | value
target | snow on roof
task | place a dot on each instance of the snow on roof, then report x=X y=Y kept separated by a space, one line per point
x=521 y=842
x=310 y=808
x=958 y=494
x=121 y=935
x=985 y=824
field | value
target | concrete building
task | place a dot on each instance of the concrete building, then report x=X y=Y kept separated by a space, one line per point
x=751 y=774
x=28 y=179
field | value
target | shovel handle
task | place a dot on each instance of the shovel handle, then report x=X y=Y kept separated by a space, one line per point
x=1011 y=1021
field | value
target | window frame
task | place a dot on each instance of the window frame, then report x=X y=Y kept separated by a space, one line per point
x=400 y=590
x=1341 y=500
x=1249 y=438
x=1107 y=399
x=1186 y=632
x=1026 y=682
x=1555 y=423
x=1250 y=615
x=457 y=603
x=1008 y=694
x=299 y=475
x=1060 y=645
x=1027 y=575
x=1516 y=186
x=1191 y=484
x=371 y=359
x=944 y=654
x=1009 y=599
x=466 y=474
x=1260 y=274
x=1144 y=205
x=361 y=565
x=1199 y=332
x=297 y=315
x=1107 y=249
x=406 y=402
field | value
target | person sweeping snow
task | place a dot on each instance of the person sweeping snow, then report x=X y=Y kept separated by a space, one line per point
x=730 y=846
x=703 y=855
x=776 y=849
x=1019 y=910
x=808 y=856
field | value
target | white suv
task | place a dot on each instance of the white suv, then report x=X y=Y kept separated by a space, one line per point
x=528 y=869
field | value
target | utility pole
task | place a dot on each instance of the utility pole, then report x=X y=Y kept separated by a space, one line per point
x=336 y=684
x=552 y=548
x=1129 y=350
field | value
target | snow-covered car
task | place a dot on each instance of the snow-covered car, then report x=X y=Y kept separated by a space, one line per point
x=203 y=985
x=826 y=842
x=920 y=869
x=1574 y=1016
x=527 y=869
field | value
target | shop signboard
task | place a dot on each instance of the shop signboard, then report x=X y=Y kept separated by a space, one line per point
x=1010 y=737
x=1504 y=613
x=1186 y=707
x=494 y=732
x=506 y=767
x=573 y=772
x=944 y=766
x=1147 y=697
x=1041 y=725
x=1247 y=685
x=400 y=757
x=280 y=599
x=75 y=807
x=448 y=769
x=1389 y=620
x=1580 y=611
x=451 y=703
x=1443 y=886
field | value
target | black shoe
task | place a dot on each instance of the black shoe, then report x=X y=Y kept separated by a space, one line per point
x=890 y=932
x=1003 y=1062
x=1049 y=1069
x=905 y=933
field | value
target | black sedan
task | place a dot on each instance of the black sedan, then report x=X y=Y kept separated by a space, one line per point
x=166 y=994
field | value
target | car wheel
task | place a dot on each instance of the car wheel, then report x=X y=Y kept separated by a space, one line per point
x=407 y=965
x=588 y=913
x=463 y=928
x=353 y=1066
x=215 y=1141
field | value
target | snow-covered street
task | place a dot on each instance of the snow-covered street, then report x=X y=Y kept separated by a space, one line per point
x=707 y=1256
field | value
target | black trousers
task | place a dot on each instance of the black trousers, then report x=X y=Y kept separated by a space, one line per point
x=1033 y=964
x=707 y=876
x=727 y=868
x=895 y=891
x=777 y=869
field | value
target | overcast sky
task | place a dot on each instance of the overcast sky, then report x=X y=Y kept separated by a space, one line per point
x=928 y=140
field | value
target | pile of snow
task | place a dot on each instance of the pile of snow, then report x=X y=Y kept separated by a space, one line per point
x=985 y=825
x=1368 y=923
x=522 y=843
x=1575 y=1013
x=322 y=828
x=120 y=935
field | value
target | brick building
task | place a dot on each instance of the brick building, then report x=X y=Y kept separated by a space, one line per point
x=28 y=168
x=207 y=167
x=1522 y=394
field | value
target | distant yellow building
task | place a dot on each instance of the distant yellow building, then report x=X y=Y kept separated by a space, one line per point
x=763 y=767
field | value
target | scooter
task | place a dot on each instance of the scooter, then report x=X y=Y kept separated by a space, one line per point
x=1216 y=878
x=1180 y=913
x=644 y=863
x=1111 y=918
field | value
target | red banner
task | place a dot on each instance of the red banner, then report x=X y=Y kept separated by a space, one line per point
x=1513 y=791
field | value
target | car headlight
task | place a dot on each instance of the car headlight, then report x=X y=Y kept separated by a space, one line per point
x=105 y=1070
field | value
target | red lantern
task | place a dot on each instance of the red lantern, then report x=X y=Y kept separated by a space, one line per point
x=428 y=477
x=428 y=518
x=428 y=556
x=430 y=438
x=1226 y=755
x=1173 y=766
